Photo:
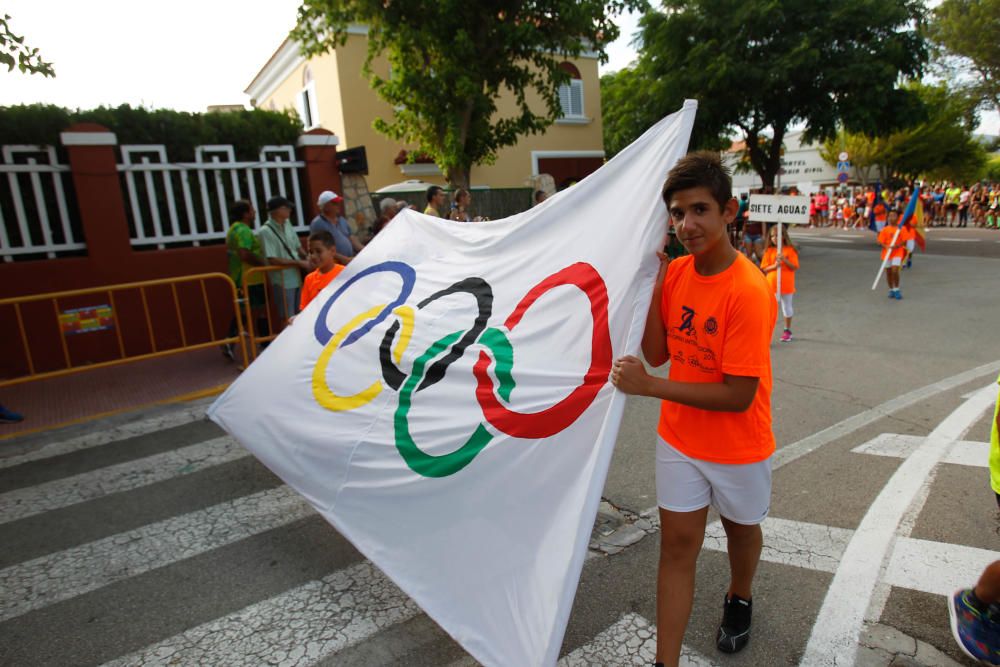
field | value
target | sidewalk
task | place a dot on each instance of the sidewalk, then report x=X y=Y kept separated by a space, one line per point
x=87 y=395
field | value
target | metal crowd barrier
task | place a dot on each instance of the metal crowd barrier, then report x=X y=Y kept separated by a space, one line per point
x=272 y=309
x=110 y=291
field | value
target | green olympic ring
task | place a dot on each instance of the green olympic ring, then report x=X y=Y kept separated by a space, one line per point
x=429 y=465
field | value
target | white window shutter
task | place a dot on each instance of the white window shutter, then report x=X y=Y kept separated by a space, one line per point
x=564 y=100
x=576 y=97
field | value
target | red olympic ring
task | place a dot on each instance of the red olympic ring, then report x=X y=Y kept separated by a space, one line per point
x=556 y=418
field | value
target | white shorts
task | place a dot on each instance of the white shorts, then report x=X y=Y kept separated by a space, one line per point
x=896 y=261
x=786 y=304
x=740 y=492
x=910 y=245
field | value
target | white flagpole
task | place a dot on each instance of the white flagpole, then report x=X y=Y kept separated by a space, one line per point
x=887 y=255
x=780 y=262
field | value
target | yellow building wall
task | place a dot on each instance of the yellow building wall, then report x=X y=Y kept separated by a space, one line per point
x=361 y=107
x=513 y=163
x=347 y=107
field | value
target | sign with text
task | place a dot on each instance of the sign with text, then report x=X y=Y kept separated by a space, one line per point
x=788 y=209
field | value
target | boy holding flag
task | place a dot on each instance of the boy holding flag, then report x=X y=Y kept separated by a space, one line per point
x=711 y=316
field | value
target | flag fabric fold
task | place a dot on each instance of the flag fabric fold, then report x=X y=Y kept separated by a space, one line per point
x=444 y=403
x=914 y=217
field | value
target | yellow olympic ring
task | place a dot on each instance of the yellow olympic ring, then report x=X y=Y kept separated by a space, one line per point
x=321 y=390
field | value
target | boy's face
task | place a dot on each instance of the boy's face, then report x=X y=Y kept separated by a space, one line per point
x=699 y=221
x=321 y=256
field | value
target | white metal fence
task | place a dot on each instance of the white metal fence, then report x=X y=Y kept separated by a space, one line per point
x=182 y=204
x=36 y=219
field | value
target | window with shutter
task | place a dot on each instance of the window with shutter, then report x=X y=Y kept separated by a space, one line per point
x=571 y=99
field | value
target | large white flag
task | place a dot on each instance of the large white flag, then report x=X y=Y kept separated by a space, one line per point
x=445 y=402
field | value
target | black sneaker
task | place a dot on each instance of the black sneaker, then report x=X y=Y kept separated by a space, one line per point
x=734 y=631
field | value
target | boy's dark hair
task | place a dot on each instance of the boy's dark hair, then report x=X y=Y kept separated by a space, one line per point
x=238 y=209
x=432 y=192
x=324 y=237
x=703 y=169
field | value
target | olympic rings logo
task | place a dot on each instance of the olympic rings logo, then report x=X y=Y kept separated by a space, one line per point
x=431 y=366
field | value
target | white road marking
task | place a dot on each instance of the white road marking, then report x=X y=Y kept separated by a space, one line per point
x=63 y=575
x=806 y=445
x=835 y=634
x=963 y=452
x=22 y=503
x=806 y=545
x=936 y=567
x=629 y=641
x=825 y=239
x=97 y=438
x=956 y=240
x=298 y=627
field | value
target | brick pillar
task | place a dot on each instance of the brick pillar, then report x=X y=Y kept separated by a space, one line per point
x=99 y=194
x=318 y=149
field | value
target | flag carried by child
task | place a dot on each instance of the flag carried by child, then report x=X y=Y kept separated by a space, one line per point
x=445 y=401
x=913 y=216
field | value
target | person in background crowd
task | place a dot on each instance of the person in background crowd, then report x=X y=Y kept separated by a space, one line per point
x=951 y=197
x=822 y=208
x=964 y=201
x=281 y=247
x=753 y=240
x=323 y=257
x=244 y=252
x=331 y=219
x=540 y=196
x=460 y=201
x=388 y=208
x=937 y=209
x=435 y=200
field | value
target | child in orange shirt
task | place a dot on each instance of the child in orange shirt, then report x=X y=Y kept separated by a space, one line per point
x=711 y=316
x=322 y=255
x=895 y=252
x=789 y=265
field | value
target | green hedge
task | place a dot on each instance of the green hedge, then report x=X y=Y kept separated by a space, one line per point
x=179 y=131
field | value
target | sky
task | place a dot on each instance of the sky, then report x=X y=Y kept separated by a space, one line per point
x=183 y=54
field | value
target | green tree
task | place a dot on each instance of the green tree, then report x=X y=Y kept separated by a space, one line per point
x=961 y=29
x=942 y=146
x=15 y=53
x=758 y=67
x=864 y=152
x=451 y=61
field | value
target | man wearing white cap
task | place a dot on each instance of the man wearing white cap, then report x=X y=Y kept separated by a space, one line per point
x=330 y=219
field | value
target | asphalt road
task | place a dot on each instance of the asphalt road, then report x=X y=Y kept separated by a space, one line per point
x=151 y=539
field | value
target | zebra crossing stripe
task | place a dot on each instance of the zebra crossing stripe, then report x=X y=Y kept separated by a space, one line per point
x=963 y=452
x=126 y=476
x=105 y=436
x=935 y=567
x=298 y=627
x=840 y=619
x=63 y=575
x=629 y=641
x=796 y=543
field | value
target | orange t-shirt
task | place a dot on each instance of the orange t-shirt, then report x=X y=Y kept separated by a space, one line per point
x=719 y=325
x=881 y=212
x=315 y=282
x=787 y=274
x=885 y=240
